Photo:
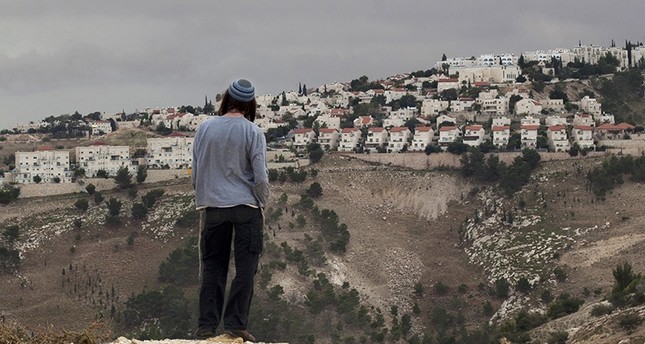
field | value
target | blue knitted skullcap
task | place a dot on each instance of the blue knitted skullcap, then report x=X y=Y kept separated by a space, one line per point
x=242 y=90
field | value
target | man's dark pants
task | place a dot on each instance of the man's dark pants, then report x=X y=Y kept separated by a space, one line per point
x=242 y=225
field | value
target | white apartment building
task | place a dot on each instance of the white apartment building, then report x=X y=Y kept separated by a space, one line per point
x=590 y=106
x=583 y=136
x=45 y=162
x=501 y=135
x=101 y=127
x=328 y=138
x=557 y=138
x=174 y=151
x=422 y=138
x=447 y=135
x=493 y=106
x=25 y=127
x=431 y=107
x=376 y=138
x=103 y=157
x=528 y=135
x=349 y=139
x=496 y=74
x=197 y=120
x=399 y=138
x=474 y=135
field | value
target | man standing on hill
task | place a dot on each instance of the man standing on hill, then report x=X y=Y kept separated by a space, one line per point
x=231 y=187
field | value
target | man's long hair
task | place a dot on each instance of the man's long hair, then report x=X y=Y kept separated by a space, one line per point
x=247 y=108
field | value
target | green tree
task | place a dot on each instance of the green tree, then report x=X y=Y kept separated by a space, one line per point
x=142 y=173
x=123 y=178
x=180 y=267
x=98 y=198
x=315 y=190
x=139 y=211
x=37 y=179
x=315 y=152
x=114 y=206
x=90 y=188
x=101 y=173
x=151 y=197
x=11 y=233
x=81 y=204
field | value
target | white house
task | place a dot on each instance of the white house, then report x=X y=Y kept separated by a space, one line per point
x=501 y=135
x=399 y=138
x=422 y=138
x=528 y=107
x=590 y=106
x=445 y=118
x=553 y=104
x=583 y=136
x=493 y=106
x=528 y=135
x=446 y=84
x=363 y=121
x=328 y=138
x=349 y=139
x=302 y=137
x=101 y=127
x=431 y=107
x=555 y=120
x=329 y=121
x=501 y=121
x=376 y=138
x=45 y=162
x=557 y=138
x=100 y=156
x=462 y=104
x=530 y=120
x=174 y=151
x=447 y=135
x=583 y=119
x=197 y=120
x=474 y=135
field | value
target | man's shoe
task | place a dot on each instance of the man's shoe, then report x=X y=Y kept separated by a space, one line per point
x=244 y=334
x=204 y=332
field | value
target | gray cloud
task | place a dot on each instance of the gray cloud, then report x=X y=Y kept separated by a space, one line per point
x=58 y=57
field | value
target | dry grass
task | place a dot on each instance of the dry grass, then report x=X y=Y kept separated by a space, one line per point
x=96 y=332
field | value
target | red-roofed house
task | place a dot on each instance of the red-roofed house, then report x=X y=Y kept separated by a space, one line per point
x=422 y=138
x=363 y=121
x=302 y=137
x=399 y=138
x=583 y=136
x=376 y=138
x=613 y=131
x=528 y=135
x=328 y=138
x=445 y=84
x=583 y=119
x=474 y=135
x=448 y=134
x=349 y=139
x=557 y=138
x=501 y=135
x=528 y=107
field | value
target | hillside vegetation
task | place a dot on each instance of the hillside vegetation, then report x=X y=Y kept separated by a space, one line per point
x=355 y=252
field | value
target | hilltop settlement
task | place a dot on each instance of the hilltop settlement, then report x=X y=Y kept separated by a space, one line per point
x=494 y=102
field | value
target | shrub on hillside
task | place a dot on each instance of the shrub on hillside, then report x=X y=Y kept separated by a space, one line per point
x=180 y=267
x=82 y=204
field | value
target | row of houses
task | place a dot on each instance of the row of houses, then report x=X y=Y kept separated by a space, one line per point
x=52 y=165
x=398 y=139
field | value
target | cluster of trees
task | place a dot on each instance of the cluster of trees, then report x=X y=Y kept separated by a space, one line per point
x=610 y=174
x=9 y=257
x=511 y=177
x=289 y=173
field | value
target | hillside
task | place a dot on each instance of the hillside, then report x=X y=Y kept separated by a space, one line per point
x=426 y=242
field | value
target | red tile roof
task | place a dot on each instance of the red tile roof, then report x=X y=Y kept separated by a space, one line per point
x=349 y=130
x=583 y=127
x=449 y=80
x=422 y=129
x=556 y=128
x=501 y=128
x=447 y=128
x=474 y=127
x=530 y=127
x=302 y=130
x=327 y=130
x=399 y=129
x=376 y=129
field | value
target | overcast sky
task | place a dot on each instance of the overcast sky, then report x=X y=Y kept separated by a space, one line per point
x=58 y=57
